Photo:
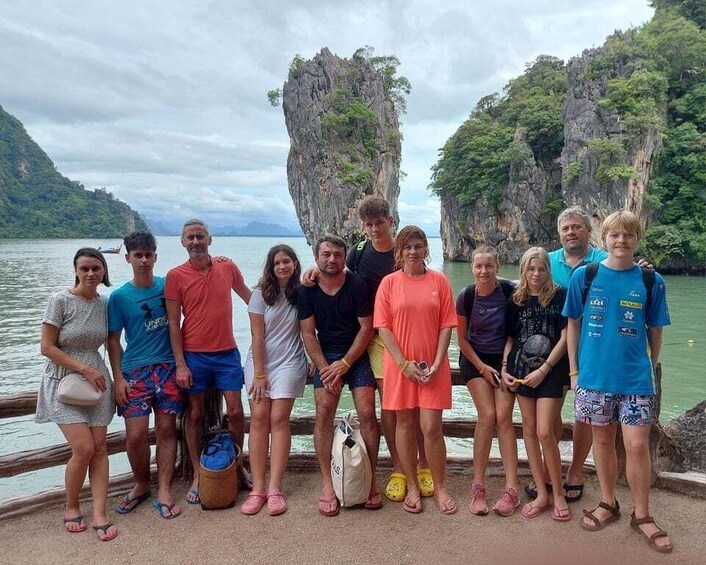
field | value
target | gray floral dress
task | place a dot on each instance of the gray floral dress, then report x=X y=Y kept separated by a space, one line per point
x=83 y=328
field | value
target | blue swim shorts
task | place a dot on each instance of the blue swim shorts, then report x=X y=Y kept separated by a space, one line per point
x=360 y=374
x=221 y=370
x=604 y=408
x=152 y=387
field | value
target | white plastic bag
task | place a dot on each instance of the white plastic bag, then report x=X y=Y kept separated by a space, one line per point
x=350 y=465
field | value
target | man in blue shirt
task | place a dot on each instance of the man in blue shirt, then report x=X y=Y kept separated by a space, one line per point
x=144 y=375
x=612 y=370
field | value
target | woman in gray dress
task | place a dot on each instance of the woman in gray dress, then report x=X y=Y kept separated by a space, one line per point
x=74 y=328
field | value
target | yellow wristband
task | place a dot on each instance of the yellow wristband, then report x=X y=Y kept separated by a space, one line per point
x=262 y=376
x=404 y=365
x=573 y=373
x=346 y=363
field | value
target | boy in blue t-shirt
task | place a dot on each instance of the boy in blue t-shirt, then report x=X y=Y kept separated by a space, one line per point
x=611 y=368
x=144 y=375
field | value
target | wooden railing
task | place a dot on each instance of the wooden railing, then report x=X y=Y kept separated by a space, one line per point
x=41 y=458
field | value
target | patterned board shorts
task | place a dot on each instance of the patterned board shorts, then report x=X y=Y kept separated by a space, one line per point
x=153 y=387
x=604 y=408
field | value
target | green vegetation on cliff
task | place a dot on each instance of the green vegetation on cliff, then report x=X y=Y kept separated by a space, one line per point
x=37 y=201
x=476 y=160
x=654 y=77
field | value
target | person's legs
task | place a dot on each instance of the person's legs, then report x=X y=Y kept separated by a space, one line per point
x=582 y=440
x=407 y=449
x=194 y=423
x=547 y=411
x=435 y=445
x=259 y=442
x=484 y=401
x=388 y=421
x=606 y=461
x=98 y=476
x=326 y=403
x=80 y=441
x=281 y=441
x=528 y=408
x=138 y=453
x=638 y=468
x=165 y=427
x=364 y=399
x=507 y=440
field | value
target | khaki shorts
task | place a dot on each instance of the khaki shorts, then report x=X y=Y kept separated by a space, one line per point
x=376 y=351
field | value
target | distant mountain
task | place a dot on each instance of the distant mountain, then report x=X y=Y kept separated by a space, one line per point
x=257 y=229
x=37 y=201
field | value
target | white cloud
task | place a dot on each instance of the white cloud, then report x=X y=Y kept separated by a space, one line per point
x=163 y=102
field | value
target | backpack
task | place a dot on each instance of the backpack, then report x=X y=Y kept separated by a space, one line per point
x=648 y=279
x=506 y=286
x=359 y=249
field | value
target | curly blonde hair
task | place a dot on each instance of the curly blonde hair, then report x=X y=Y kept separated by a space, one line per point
x=548 y=290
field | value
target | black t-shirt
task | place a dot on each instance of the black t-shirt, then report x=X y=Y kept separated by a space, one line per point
x=336 y=316
x=536 y=331
x=373 y=265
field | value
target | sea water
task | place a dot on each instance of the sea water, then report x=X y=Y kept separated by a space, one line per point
x=32 y=270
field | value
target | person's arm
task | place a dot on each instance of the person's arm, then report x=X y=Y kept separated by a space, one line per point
x=408 y=367
x=655 y=344
x=311 y=342
x=442 y=348
x=183 y=374
x=573 y=327
x=242 y=290
x=337 y=369
x=508 y=379
x=486 y=371
x=257 y=332
x=310 y=276
x=121 y=388
x=49 y=348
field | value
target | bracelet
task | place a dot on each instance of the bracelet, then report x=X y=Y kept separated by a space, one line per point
x=573 y=373
x=504 y=364
x=550 y=365
x=346 y=363
x=403 y=366
x=540 y=370
x=482 y=370
x=262 y=376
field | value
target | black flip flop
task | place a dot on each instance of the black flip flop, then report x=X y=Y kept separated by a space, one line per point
x=575 y=497
x=531 y=491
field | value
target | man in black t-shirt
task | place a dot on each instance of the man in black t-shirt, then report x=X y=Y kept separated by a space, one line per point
x=336 y=323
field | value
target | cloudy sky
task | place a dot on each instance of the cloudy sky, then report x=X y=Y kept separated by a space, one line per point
x=164 y=103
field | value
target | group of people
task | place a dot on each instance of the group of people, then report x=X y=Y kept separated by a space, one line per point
x=372 y=314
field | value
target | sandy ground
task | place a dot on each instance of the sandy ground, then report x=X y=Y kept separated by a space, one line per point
x=389 y=535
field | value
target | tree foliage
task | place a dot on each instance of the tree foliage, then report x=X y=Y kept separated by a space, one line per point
x=36 y=201
x=476 y=160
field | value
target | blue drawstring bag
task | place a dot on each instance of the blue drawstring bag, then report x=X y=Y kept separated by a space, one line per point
x=219 y=452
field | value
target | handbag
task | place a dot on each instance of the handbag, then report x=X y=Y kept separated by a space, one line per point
x=350 y=465
x=74 y=388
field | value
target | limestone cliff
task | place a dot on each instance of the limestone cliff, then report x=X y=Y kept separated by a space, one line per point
x=599 y=163
x=517 y=222
x=585 y=119
x=344 y=143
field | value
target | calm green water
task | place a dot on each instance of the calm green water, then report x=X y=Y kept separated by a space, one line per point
x=31 y=270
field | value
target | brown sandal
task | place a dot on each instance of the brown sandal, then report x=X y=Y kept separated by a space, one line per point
x=597 y=524
x=635 y=524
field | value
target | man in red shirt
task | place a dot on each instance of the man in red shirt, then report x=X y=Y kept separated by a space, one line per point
x=205 y=351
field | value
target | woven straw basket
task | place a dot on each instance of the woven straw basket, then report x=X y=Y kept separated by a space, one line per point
x=218 y=489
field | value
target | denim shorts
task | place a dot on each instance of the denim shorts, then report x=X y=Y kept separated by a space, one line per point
x=360 y=374
x=220 y=370
x=152 y=387
x=604 y=408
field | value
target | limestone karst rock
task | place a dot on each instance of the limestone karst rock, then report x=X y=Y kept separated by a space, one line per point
x=344 y=143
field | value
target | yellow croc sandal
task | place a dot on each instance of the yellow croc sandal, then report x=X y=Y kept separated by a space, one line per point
x=425 y=482
x=396 y=488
